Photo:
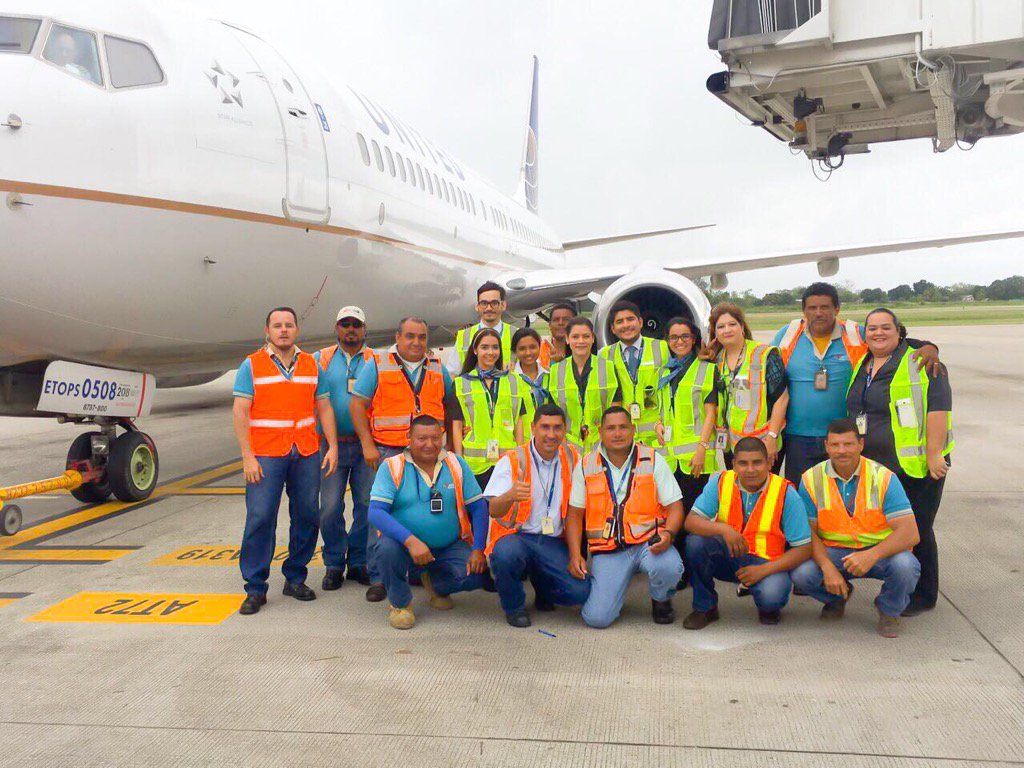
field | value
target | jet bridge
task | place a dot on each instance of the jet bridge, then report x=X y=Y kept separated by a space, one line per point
x=832 y=77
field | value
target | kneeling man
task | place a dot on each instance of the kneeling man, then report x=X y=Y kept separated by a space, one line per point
x=751 y=527
x=626 y=499
x=862 y=526
x=429 y=510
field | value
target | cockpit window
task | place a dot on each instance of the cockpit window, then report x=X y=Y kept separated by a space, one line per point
x=131 y=64
x=17 y=35
x=74 y=51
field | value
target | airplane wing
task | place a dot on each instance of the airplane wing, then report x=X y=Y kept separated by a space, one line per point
x=534 y=289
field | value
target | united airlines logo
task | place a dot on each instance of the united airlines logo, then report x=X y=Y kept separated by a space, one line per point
x=226 y=84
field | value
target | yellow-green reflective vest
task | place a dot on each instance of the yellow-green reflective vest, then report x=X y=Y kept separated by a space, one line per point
x=601 y=386
x=909 y=388
x=530 y=404
x=642 y=393
x=683 y=414
x=751 y=421
x=483 y=427
x=464 y=340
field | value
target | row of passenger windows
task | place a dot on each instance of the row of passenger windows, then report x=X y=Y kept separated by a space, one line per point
x=129 y=64
x=413 y=173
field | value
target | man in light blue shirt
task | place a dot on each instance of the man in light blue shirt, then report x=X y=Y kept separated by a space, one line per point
x=340 y=365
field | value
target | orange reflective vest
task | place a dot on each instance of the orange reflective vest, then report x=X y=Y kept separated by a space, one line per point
x=763 y=529
x=610 y=525
x=396 y=466
x=849 y=331
x=283 y=409
x=396 y=403
x=327 y=354
x=521 y=466
x=837 y=527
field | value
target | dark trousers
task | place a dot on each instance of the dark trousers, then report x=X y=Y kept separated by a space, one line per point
x=691 y=487
x=801 y=453
x=483 y=477
x=545 y=559
x=925 y=495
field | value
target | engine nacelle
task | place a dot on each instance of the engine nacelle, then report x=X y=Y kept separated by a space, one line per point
x=660 y=294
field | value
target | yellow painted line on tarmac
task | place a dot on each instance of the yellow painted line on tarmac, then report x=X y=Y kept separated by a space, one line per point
x=210 y=492
x=141 y=608
x=63 y=555
x=221 y=554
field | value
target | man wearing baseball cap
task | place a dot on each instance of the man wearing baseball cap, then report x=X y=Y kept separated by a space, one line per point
x=340 y=364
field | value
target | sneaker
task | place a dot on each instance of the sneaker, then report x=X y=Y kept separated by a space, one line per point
x=252 y=604
x=299 y=591
x=401 y=618
x=837 y=608
x=662 y=611
x=888 y=626
x=518 y=619
x=376 y=593
x=769 y=618
x=437 y=602
x=333 y=579
x=359 y=574
x=700 y=619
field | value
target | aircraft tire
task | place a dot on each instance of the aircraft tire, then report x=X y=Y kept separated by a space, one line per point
x=88 y=493
x=133 y=466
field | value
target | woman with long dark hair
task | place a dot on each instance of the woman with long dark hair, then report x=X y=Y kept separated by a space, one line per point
x=583 y=385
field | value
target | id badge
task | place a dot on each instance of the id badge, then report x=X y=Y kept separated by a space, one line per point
x=741 y=394
x=607 y=529
x=492 y=450
x=905 y=413
x=862 y=424
x=634 y=411
x=668 y=434
x=351 y=385
x=821 y=380
x=436 y=504
x=722 y=439
x=547 y=526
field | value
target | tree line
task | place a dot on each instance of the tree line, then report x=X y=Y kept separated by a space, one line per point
x=922 y=292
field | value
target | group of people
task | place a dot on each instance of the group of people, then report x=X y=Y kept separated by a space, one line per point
x=544 y=459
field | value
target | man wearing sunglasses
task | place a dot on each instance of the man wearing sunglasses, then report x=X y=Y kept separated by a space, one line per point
x=340 y=364
x=490 y=306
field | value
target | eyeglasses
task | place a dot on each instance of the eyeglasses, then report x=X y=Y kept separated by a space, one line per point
x=350 y=323
x=492 y=304
x=680 y=337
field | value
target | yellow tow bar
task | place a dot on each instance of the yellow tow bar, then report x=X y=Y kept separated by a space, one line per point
x=10 y=519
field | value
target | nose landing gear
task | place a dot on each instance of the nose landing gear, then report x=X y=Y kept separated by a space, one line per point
x=125 y=465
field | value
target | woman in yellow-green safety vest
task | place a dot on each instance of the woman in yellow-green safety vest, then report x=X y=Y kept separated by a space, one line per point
x=906 y=419
x=488 y=421
x=527 y=346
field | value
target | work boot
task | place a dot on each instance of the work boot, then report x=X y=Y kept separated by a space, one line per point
x=837 y=608
x=359 y=574
x=662 y=611
x=401 y=618
x=333 y=579
x=518 y=618
x=437 y=602
x=543 y=604
x=299 y=591
x=376 y=593
x=888 y=626
x=252 y=604
x=917 y=607
x=700 y=619
x=684 y=582
x=769 y=618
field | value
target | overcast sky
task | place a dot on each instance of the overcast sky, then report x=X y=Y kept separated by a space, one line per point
x=631 y=140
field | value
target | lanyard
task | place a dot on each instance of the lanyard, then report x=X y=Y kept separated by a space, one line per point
x=869 y=378
x=431 y=487
x=415 y=387
x=582 y=380
x=623 y=481
x=633 y=375
x=492 y=397
x=732 y=374
x=555 y=472
x=354 y=364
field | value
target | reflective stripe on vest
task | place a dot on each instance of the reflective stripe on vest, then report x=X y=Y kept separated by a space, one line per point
x=837 y=526
x=474 y=401
x=642 y=513
x=464 y=340
x=394 y=403
x=601 y=385
x=283 y=410
x=521 y=468
x=849 y=332
x=763 y=529
x=396 y=466
x=752 y=422
x=654 y=355
x=684 y=413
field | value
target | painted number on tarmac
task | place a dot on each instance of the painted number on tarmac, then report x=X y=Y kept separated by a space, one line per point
x=216 y=554
x=142 y=608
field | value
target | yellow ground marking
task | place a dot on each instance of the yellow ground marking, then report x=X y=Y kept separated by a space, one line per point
x=6 y=598
x=210 y=492
x=221 y=554
x=6 y=601
x=141 y=608
x=14 y=549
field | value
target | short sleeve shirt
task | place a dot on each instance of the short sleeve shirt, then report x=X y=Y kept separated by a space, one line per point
x=895 y=504
x=545 y=489
x=244 y=386
x=795 y=526
x=664 y=481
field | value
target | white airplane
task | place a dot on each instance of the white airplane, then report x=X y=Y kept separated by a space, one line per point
x=166 y=178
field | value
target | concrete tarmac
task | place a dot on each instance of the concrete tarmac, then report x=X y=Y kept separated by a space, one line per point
x=105 y=679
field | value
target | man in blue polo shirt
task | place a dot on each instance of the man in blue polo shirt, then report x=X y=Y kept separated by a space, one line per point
x=340 y=365
x=820 y=352
x=430 y=512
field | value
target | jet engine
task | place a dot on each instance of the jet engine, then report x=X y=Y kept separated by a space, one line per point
x=660 y=294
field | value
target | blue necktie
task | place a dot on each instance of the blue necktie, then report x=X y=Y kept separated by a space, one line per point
x=633 y=361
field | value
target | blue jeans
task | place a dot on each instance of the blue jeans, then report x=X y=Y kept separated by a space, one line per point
x=373 y=536
x=611 y=572
x=545 y=559
x=708 y=559
x=898 y=574
x=300 y=475
x=352 y=472
x=447 y=572
x=802 y=453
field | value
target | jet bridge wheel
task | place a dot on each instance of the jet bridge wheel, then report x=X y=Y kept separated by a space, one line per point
x=81 y=450
x=133 y=466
